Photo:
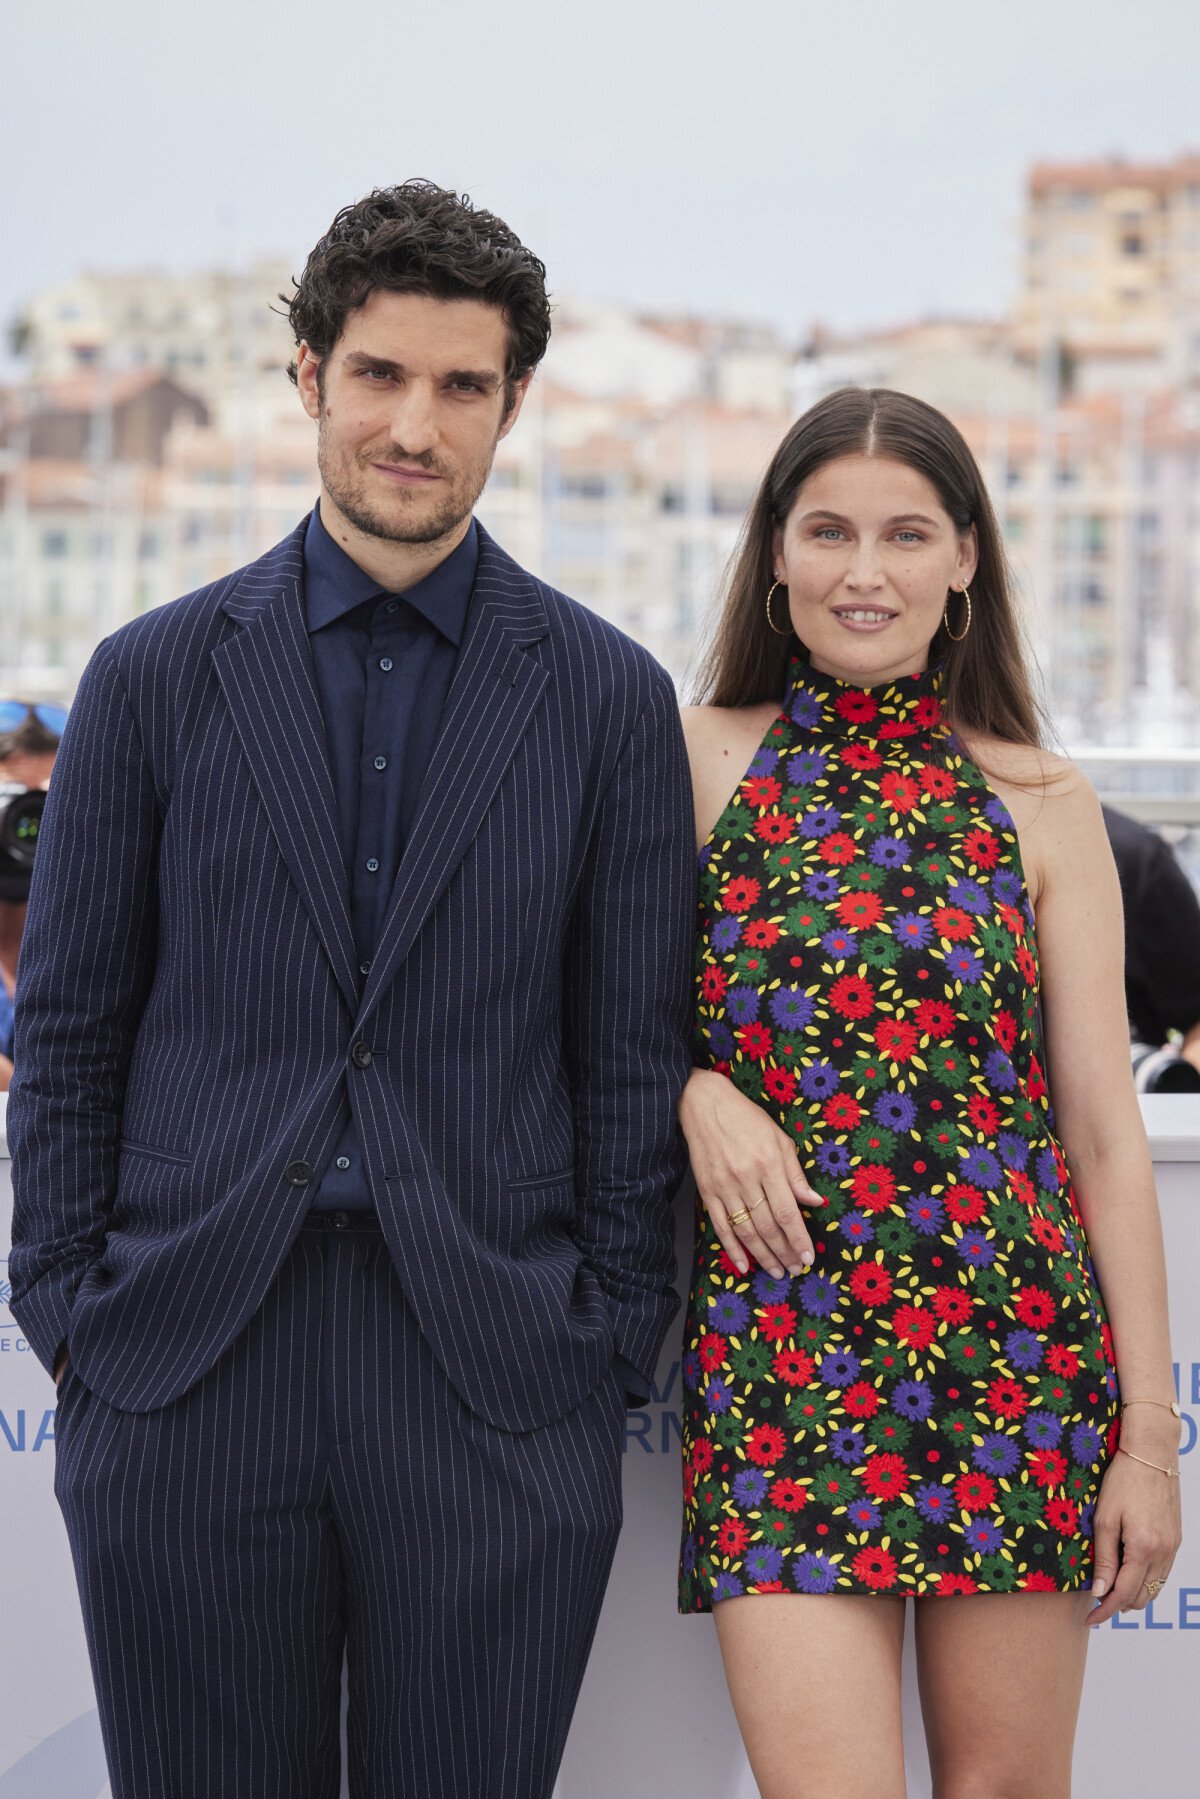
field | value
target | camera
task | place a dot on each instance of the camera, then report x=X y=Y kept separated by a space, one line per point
x=21 y=810
x=1162 y=1070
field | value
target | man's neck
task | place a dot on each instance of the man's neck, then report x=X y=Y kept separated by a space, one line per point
x=12 y=924
x=396 y=566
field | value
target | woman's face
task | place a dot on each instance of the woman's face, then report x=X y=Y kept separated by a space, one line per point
x=868 y=554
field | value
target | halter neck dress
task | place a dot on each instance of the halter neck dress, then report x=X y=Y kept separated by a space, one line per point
x=930 y=1408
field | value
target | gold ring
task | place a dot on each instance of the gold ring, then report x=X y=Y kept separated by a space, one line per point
x=757 y=1203
x=1154 y=1587
x=739 y=1217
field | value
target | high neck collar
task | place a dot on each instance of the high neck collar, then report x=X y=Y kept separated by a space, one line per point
x=909 y=706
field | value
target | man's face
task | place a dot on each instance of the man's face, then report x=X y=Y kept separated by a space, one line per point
x=410 y=406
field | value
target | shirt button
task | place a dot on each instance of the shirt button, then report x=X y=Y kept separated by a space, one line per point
x=372 y=864
x=393 y=605
x=385 y=663
x=381 y=761
x=339 y=1221
x=343 y=1161
x=364 y=968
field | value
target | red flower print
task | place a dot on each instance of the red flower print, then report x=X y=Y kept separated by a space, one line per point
x=754 y=1040
x=952 y=922
x=1037 y=1582
x=892 y=728
x=1026 y=964
x=712 y=1351
x=935 y=1019
x=1004 y=1029
x=852 y=996
x=901 y=791
x=938 y=783
x=861 y=755
x=1036 y=1308
x=838 y=848
x=765 y=1444
x=1006 y=1399
x=953 y=1305
x=914 y=1325
x=773 y=827
x=896 y=1039
x=870 y=1283
x=733 y=1536
x=740 y=893
x=776 y=1323
x=795 y=1367
x=874 y=1187
x=842 y=1112
x=1012 y=920
x=1062 y=1515
x=956 y=1583
x=761 y=933
x=885 y=1475
x=861 y=1400
x=859 y=911
x=927 y=712
x=1021 y=1187
x=974 y=1492
x=876 y=1568
x=983 y=1114
x=713 y=983
x=1048 y=1467
x=964 y=1203
x=780 y=1084
x=982 y=848
x=762 y=790
x=1047 y=1234
x=859 y=707
x=1061 y=1359
x=1036 y=1084
x=788 y=1495
x=702 y=1455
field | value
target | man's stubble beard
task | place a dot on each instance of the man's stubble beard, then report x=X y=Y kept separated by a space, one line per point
x=340 y=481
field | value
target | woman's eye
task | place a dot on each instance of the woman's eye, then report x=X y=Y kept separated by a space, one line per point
x=828 y=532
x=910 y=537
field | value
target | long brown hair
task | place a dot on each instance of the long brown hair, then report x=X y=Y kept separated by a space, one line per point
x=987 y=685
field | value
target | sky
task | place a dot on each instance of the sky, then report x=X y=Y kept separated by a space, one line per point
x=858 y=162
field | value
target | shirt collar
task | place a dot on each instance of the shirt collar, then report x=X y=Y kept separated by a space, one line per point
x=334 y=584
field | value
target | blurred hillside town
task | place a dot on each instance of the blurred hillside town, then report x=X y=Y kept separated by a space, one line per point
x=154 y=442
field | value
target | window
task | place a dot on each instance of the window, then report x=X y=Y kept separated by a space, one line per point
x=54 y=543
x=1133 y=244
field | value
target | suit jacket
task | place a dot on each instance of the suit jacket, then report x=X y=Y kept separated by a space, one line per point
x=189 y=1012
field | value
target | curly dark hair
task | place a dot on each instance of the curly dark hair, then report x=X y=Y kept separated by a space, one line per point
x=418 y=238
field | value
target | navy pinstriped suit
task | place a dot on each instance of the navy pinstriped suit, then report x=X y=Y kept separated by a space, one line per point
x=274 y=1439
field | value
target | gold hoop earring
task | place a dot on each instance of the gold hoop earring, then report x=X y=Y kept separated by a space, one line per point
x=770 y=620
x=959 y=635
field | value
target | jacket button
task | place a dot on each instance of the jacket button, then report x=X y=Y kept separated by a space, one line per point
x=360 y=1055
x=299 y=1173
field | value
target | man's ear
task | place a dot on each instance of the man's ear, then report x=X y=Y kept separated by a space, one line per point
x=520 y=389
x=307 y=368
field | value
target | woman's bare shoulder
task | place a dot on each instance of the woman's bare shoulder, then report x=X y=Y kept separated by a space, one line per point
x=721 y=741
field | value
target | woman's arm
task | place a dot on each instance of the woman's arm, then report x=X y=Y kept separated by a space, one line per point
x=1081 y=950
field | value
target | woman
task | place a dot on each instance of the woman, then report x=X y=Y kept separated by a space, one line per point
x=927 y=1349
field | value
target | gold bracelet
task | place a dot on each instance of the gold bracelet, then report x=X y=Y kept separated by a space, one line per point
x=1162 y=1405
x=1171 y=1473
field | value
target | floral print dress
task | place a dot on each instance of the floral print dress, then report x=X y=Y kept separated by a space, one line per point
x=930 y=1408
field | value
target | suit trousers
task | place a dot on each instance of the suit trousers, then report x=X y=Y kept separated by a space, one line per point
x=323 y=1490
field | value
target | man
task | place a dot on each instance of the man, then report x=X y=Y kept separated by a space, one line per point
x=352 y=1017
x=29 y=738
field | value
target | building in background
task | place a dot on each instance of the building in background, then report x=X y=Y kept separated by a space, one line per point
x=156 y=443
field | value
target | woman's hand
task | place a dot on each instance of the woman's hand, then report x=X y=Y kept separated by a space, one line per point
x=1138 y=1527
x=748 y=1176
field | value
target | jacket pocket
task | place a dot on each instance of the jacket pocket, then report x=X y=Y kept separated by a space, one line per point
x=559 y=1178
x=129 y=1146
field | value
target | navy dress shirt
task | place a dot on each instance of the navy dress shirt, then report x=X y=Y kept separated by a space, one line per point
x=383 y=664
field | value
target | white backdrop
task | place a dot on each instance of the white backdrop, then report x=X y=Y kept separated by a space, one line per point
x=653 y=1716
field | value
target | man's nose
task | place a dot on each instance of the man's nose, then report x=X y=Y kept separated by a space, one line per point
x=413 y=419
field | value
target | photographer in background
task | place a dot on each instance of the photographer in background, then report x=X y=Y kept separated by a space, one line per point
x=29 y=738
x=1162 y=956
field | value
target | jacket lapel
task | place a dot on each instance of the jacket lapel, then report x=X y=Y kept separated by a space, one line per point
x=266 y=674
x=494 y=694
